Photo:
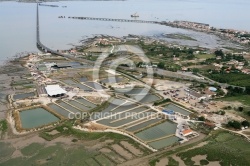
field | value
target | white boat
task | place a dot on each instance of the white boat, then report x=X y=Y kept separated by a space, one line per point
x=134 y=15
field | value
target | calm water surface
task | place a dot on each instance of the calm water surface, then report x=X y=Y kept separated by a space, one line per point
x=36 y=117
x=18 y=21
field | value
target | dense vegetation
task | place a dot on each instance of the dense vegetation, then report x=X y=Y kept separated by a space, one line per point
x=238 y=79
x=3 y=125
x=223 y=147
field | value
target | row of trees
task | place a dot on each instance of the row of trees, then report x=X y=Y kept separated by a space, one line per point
x=237 y=125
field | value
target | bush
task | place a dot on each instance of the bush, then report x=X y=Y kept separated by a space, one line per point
x=74 y=140
x=245 y=123
x=204 y=162
x=234 y=124
x=240 y=109
x=221 y=112
x=3 y=125
x=161 y=102
x=201 y=118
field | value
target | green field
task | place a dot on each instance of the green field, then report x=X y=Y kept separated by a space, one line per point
x=205 y=56
x=38 y=154
x=91 y=162
x=3 y=125
x=224 y=147
x=244 y=99
x=66 y=129
x=31 y=149
x=5 y=150
x=103 y=160
x=179 y=36
x=238 y=79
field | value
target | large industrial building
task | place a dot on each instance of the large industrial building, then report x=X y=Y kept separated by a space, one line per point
x=55 y=91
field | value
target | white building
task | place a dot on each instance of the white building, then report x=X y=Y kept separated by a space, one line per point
x=55 y=90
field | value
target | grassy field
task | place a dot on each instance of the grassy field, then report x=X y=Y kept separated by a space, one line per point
x=52 y=155
x=91 y=162
x=103 y=160
x=223 y=147
x=66 y=129
x=179 y=36
x=172 y=162
x=31 y=149
x=244 y=99
x=3 y=125
x=205 y=56
x=75 y=153
x=5 y=150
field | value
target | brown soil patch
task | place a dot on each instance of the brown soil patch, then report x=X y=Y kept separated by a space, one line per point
x=131 y=148
x=246 y=132
x=53 y=132
x=120 y=150
x=97 y=100
x=105 y=150
x=214 y=163
x=197 y=146
x=16 y=154
x=181 y=162
x=162 y=162
x=198 y=158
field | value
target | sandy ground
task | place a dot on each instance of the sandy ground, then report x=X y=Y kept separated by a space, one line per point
x=19 y=143
x=122 y=151
x=17 y=153
x=162 y=162
x=198 y=158
x=214 y=163
x=164 y=84
x=95 y=144
x=181 y=162
x=53 y=132
x=2 y=115
x=131 y=148
x=198 y=146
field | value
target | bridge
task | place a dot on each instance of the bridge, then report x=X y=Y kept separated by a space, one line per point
x=46 y=49
x=117 y=20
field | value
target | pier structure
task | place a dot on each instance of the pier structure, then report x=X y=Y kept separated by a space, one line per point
x=116 y=20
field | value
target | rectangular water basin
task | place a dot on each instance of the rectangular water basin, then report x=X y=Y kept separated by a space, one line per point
x=36 y=117
x=164 y=142
x=59 y=110
x=158 y=131
x=176 y=108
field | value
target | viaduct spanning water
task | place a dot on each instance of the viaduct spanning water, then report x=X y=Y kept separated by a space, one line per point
x=46 y=49
x=117 y=20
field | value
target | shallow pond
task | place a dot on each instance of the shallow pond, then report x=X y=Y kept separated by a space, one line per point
x=164 y=142
x=23 y=95
x=36 y=117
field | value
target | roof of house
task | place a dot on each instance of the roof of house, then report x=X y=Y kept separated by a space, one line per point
x=187 y=131
x=54 y=90
x=209 y=123
x=195 y=94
